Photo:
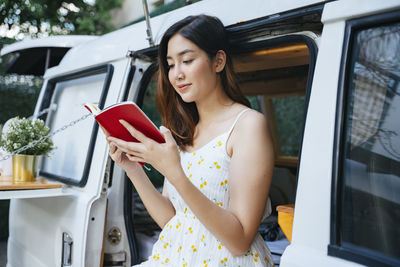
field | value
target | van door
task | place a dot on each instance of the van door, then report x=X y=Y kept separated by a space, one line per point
x=347 y=205
x=65 y=226
x=121 y=246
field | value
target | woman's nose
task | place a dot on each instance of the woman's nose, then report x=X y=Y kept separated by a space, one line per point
x=178 y=74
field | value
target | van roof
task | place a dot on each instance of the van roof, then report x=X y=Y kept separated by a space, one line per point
x=115 y=45
x=62 y=41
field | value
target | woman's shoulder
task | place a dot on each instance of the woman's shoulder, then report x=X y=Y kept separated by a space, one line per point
x=250 y=123
x=251 y=127
x=251 y=120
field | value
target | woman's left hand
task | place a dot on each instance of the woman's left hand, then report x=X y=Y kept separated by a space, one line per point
x=164 y=157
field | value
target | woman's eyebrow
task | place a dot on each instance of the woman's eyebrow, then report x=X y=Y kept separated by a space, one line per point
x=182 y=53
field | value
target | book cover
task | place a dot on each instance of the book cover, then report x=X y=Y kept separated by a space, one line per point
x=109 y=118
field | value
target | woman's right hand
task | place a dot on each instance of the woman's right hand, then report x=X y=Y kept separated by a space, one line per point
x=120 y=158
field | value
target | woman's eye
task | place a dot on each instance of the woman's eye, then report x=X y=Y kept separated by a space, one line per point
x=188 y=61
x=171 y=66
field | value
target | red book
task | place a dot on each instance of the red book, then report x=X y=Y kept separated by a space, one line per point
x=128 y=111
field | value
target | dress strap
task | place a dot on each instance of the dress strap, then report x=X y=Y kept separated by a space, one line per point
x=236 y=120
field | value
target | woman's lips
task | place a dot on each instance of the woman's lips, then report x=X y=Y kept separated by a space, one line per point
x=183 y=87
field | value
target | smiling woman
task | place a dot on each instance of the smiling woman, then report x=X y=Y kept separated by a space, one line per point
x=217 y=159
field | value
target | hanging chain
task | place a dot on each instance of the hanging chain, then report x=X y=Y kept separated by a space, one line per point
x=44 y=111
x=34 y=143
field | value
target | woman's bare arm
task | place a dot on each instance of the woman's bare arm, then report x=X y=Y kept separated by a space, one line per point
x=158 y=205
x=249 y=182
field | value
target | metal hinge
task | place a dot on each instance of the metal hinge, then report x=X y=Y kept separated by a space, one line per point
x=66 y=250
x=115 y=259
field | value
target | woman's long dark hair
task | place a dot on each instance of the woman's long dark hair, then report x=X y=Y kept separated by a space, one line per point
x=209 y=34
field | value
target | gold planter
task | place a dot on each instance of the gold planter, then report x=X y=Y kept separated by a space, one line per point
x=24 y=167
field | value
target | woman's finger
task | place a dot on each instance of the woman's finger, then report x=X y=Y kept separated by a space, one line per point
x=128 y=147
x=107 y=134
x=135 y=133
x=116 y=154
x=167 y=135
x=113 y=148
x=134 y=158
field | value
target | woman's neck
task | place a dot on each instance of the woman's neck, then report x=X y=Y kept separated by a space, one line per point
x=211 y=107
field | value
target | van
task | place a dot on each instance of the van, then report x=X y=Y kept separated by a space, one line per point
x=326 y=75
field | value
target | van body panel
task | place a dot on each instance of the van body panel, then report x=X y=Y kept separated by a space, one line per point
x=345 y=10
x=312 y=211
x=116 y=44
x=116 y=195
x=38 y=224
x=312 y=222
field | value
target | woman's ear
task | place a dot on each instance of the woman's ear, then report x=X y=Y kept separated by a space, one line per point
x=220 y=61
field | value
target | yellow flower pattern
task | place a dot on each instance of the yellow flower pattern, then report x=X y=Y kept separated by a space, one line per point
x=184 y=241
x=217 y=165
x=224 y=184
x=203 y=184
x=189 y=165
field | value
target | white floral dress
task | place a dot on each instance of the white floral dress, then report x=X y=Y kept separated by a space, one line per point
x=184 y=241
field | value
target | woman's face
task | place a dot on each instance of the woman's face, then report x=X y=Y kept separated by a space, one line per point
x=191 y=71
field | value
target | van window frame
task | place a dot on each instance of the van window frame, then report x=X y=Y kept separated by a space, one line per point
x=350 y=252
x=247 y=47
x=128 y=186
x=290 y=39
x=108 y=69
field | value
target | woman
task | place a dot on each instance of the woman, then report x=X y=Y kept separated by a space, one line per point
x=217 y=159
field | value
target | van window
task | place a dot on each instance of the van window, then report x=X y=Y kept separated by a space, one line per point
x=278 y=76
x=70 y=160
x=278 y=72
x=289 y=114
x=149 y=107
x=369 y=174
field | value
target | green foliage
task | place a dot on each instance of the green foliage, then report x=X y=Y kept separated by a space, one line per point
x=22 y=132
x=254 y=102
x=96 y=19
x=289 y=114
x=6 y=41
x=58 y=16
x=150 y=109
x=18 y=95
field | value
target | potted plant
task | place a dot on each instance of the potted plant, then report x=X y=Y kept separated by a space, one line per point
x=19 y=134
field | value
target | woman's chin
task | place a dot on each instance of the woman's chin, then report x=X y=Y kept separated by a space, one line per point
x=187 y=98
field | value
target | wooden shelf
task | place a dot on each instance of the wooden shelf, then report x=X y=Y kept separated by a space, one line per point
x=6 y=183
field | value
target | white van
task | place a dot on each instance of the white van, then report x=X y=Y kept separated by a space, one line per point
x=327 y=76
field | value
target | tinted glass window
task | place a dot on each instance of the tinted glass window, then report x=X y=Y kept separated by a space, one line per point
x=149 y=107
x=289 y=114
x=371 y=162
x=69 y=158
x=254 y=102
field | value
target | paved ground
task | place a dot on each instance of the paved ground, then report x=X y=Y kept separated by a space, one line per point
x=3 y=253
